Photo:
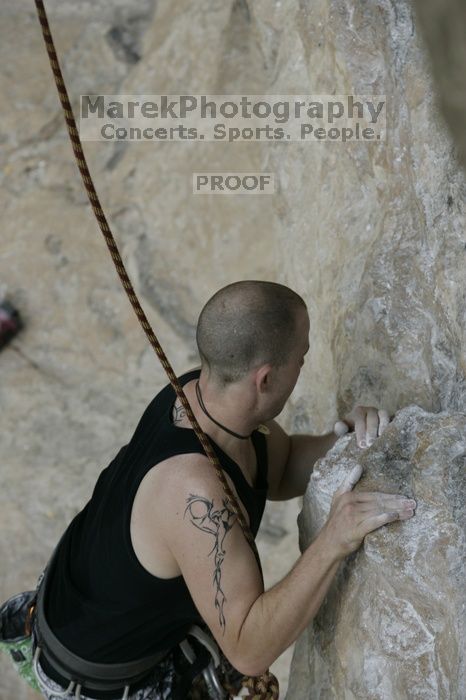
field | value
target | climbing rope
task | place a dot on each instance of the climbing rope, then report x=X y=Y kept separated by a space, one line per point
x=263 y=687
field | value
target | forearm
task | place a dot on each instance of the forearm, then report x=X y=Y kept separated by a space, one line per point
x=305 y=450
x=281 y=613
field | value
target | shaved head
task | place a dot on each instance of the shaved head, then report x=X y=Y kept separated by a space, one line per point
x=247 y=324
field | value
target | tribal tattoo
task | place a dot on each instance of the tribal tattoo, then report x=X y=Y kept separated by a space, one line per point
x=216 y=523
x=179 y=414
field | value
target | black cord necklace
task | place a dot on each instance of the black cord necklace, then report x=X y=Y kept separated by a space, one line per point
x=202 y=405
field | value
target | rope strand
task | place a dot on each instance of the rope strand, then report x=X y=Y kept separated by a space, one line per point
x=266 y=686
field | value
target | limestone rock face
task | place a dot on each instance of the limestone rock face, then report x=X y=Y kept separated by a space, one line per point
x=392 y=626
x=443 y=24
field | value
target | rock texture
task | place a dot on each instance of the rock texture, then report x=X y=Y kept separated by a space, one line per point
x=371 y=235
x=392 y=626
x=443 y=23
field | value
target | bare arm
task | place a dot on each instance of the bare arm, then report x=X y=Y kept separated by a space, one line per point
x=280 y=615
x=283 y=612
x=291 y=460
x=305 y=450
x=252 y=626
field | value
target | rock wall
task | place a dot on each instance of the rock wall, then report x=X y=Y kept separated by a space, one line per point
x=392 y=340
x=372 y=235
x=443 y=24
x=392 y=625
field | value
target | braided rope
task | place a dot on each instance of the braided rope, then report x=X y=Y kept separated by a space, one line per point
x=264 y=687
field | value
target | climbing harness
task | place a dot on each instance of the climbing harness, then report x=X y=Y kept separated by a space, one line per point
x=214 y=687
x=212 y=682
x=264 y=687
x=83 y=676
x=95 y=676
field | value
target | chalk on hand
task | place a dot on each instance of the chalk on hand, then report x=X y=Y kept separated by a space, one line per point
x=340 y=428
x=350 y=480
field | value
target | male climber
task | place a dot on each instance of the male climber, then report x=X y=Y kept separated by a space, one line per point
x=157 y=548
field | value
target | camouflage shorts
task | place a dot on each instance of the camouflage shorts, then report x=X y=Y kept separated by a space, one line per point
x=13 y=639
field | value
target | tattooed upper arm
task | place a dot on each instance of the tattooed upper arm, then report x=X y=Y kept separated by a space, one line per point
x=216 y=522
x=216 y=561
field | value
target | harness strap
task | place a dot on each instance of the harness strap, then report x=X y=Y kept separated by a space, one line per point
x=207 y=641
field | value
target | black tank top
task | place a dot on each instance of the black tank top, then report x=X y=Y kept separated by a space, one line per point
x=102 y=604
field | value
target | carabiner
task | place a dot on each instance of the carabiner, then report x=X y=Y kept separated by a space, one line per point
x=214 y=687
